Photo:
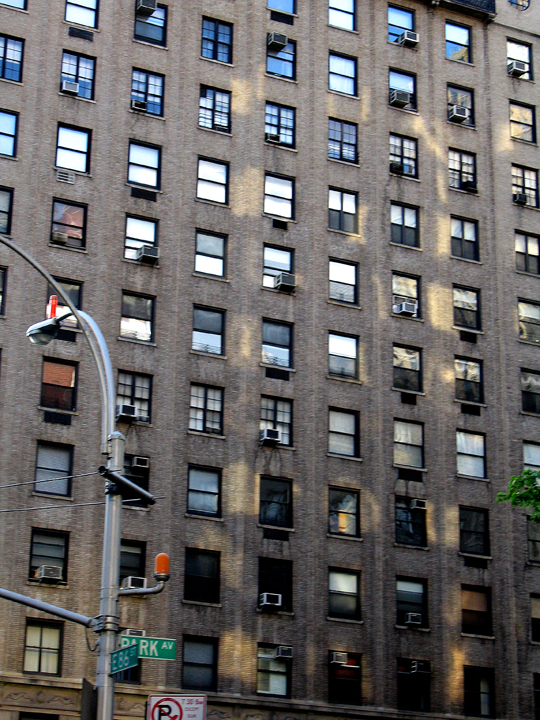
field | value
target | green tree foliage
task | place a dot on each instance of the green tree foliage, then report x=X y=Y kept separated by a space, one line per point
x=524 y=490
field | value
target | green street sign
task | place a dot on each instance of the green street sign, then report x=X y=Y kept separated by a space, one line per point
x=152 y=648
x=125 y=658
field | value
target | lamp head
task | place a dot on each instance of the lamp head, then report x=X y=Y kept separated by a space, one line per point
x=43 y=332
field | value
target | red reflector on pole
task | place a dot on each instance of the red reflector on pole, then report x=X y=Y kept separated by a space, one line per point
x=51 y=307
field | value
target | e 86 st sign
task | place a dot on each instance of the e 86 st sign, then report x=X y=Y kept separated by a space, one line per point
x=176 y=707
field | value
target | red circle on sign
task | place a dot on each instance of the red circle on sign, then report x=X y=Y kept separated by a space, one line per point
x=171 y=716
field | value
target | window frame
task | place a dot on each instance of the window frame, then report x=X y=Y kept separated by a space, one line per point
x=533 y=541
x=338 y=147
x=3 y=289
x=209 y=642
x=144 y=20
x=140 y=402
x=457 y=90
x=207 y=586
x=409 y=382
x=473 y=695
x=43 y=624
x=467 y=45
x=86 y=154
x=219 y=349
x=467 y=390
x=59 y=559
x=286 y=199
x=213 y=257
x=14 y=135
x=334 y=594
x=526 y=260
x=420 y=448
x=471 y=537
x=336 y=76
x=13 y=3
x=354 y=285
x=85 y=7
x=473 y=619
x=275 y=576
x=271 y=494
x=286 y=350
x=348 y=370
x=343 y=514
x=208 y=104
x=353 y=437
x=398 y=298
x=68 y=401
x=464 y=245
x=271 y=271
x=60 y=473
x=137 y=167
x=191 y=508
x=273 y=667
x=149 y=332
x=459 y=177
x=284 y=61
x=529 y=325
x=527 y=452
x=413 y=685
x=398 y=155
x=409 y=235
x=68 y=207
x=271 y=411
x=529 y=74
x=412 y=106
x=531 y=125
x=335 y=9
x=345 y=680
x=530 y=404
x=213 y=51
x=525 y=184
x=213 y=184
x=8 y=214
x=209 y=417
x=132 y=243
x=285 y=127
x=465 y=455
x=404 y=604
x=139 y=94
x=130 y=549
x=10 y=48
x=340 y=219
x=410 y=523
x=85 y=82
x=476 y=321
x=391 y=33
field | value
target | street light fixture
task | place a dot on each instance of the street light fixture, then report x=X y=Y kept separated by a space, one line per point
x=43 y=332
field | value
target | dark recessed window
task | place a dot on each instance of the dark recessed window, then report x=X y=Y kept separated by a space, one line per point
x=344 y=678
x=6 y=206
x=343 y=594
x=530 y=391
x=466 y=303
x=342 y=140
x=3 y=285
x=343 y=511
x=404 y=228
x=464 y=238
x=277 y=343
x=411 y=602
x=59 y=385
x=132 y=559
x=413 y=685
x=462 y=170
x=135 y=389
x=152 y=28
x=216 y=40
x=476 y=610
x=215 y=109
x=199 y=666
x=275 y=502
x=410 y=522
x=275 y=578
x=273 y=672
x=473 y=531
x=479 y=691
x=403 y=155
x=201 y=581
x=527 y=253
x=48 y=555
x=204 y=491
x=469 y=385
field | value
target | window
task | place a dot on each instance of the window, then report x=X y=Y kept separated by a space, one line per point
x=408 y=444
x=149 y=88
x=6 y=201
x=275 y=577
x=8 y=133
x=522 y=122
x=43 y=648
x=69 y=219
x=48 y=547
x=479 y=691
x=213 y=181
x=462 y=97
x=535 y=618
x=343 y=594
x=530 y=391
x=341 y=14
x=281 y=61
x=471 y=454
x=458 y=42
x=466 y=307
x=531 y=456
x=342 y=74
x=210 y=253
x=73 y=149
x=462 y=170
x=529 y=321
x=399 y=20
x=522 y=53
x=286 y=6
x=53 y=468
x=82 y=12
x=137 y=319
x=476 y=610
x=3 y=283
x=74 y=292
x=59 y=385
x=342 y=355
x=345 y=679
x=215 y=109
x=199 y=667
x=413 y=685
x=11 y=56
x=473 y=531
x=405 y=289
x=136 y=469
x=464 y=238
x=276 y=502
x=279 y=123
x=342 y=212
x=79 y=69
x=411 y=602
x=533 y=536
x=404 y=225
x=276 y=414
x=410 y=523
x=208 y=330
x=206 y=409
x=135 y=389
x=132 y=559
x=204 y=491
x=275 y=261
x=469 y=385
x=343 y=512
x=277 y=343
x=152 y=28
x=140 y=232
x=403 y=82
x=144 y=165
x=525 y=181
x=273 y=674
x=201 y=582
x=216 y=40
x=527 y=253
x=403 y=155
x=342 y=140
x=279 y=196
x=344 y=433
x=342 y=282
x=21 y=4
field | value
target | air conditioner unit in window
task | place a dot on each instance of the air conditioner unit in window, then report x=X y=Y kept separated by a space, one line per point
x=468 y=185
x=271 y=137
x=397 y=168
x=517 y=68
x=520 y=198
x=408 y=39
x=49 y=572
x=270 y=600
x=285 y=281
x=140 y=462
x=271 y=437
x=133 y=632
x=458 y=113
x=399 y=98
x=418 y=504
x=65 y=176
x=338 y=658
x=276 y=41
x=405 y=308
x=59 y=237
x=133 y=583
x=420 y=666
x=413 y=619
x=146 y=7
x=126 y=413
x=139 y=105
x=70 y=88
x=284 y=652
x=147 y=255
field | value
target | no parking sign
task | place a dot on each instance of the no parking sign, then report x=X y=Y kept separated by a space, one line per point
x=176 y=707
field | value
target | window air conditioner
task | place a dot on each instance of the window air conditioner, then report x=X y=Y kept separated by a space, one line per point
x=65 y=176
x=405 y=308
x=147 y=255
x=517 y=68
x=284 y=652
x=276 y=41
x=458 y=113
x=126 y=413
x=420 y=666
x=418 y=504
x=70 y=88
x=397 y=168
x=284 y=281
x=338 y=658
x=133 y=583
x=140 y=462
x=408 y=39
x=49 y=572
x=139 y=105
x=468 y=185
x=271 y=137
x=520 y=198
x=399 y=98
x=146 y=7
x=59 y=237
x=270 y=600
x=132 y=632
x=413 y=619
x=269 y=436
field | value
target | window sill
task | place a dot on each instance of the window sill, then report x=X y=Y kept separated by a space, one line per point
x=279 y=367
x=24 y=12
x=474 y=262
x=412 y=547
x=143 y=114
x=76 y=97
x=281 y=77
x=410 y=467
x=342 y=95
x=344 y=162
x=396 y=44
x=480 y=637
x=283 y=12
x=466 y=329
x=205 y=434
x=11 y=82
x=149 y=44
x=52 y=496
x=284 y=613
x=144 y=187
x=345 y=457
x=58 y=410
x=281 y=146
x=471 y=477
x=204 y=517
x=212 y=202
x=345 y=620
x=278 y=217
x=343 y=232
x=462 y=125
x=408 y=247
x=216 y=132
x=211 y=277
x=529 y=342
x=216 y=62
x=200 y=602
x=83 y=27
x=67 y=247
x=276 y=527
x=528 y=274
x=278 y=291
x=344 y=537
x=460 y=62
x=470 y=402
x=55 y=585
x=529 y=414
x=9 y=157
x=336 y=27
x=412 y=627
x=471 y=193
x=409 y=392
x=205 y=354
x=409 y=111
x=344 y=304
x=473 y=555
x=404 y=176
x=137 y=342
x=344 y=379
x=406 y=317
